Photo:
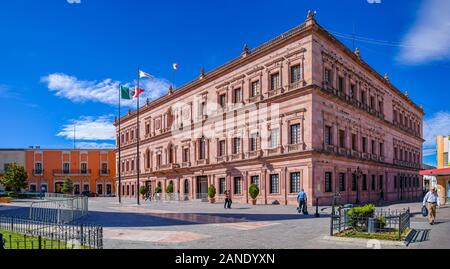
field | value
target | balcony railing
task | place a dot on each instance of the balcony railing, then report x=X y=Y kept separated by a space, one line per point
x=330 y=148
x=236 y=157
x=185 y=164
x=222 y=159
x=293 y=148
x=72 y=172
x=255 y=98
x=253 y=154
x=169 y=166
x=296 y=85
x=105 y=172
x=273 y=151
x=275 y=92
x=351 y=100
x=202 y=162
x=38 y=172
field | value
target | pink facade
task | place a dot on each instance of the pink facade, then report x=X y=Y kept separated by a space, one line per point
x=298 y=112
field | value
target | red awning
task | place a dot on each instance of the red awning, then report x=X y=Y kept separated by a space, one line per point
x=436 y=172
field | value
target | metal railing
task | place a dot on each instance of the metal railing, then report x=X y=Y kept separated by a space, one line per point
x=31 y=234
x=394 y=222
x=72 y=171
x=59 y=208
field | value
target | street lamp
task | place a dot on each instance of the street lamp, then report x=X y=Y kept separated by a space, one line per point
x=357 y=174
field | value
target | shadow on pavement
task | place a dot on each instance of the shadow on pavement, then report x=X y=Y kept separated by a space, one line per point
x=120 y=219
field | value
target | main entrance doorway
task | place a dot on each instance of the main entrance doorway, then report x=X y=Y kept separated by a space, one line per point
x=202 y=187
x=58 y=187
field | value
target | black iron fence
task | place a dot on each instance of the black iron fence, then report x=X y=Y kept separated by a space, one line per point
x=386 y=221
x=31 y=234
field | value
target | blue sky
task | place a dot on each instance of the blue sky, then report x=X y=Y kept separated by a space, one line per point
x=60 y=61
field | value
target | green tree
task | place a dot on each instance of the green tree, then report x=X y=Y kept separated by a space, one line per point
x=15 y=178
x=67 y=187
x=169 y=188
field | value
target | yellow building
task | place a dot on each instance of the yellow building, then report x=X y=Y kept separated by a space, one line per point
x=440 y=177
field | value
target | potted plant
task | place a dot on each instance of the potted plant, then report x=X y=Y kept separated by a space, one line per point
x=254 y=192
x=169 y=188
x=212 y=194
x=143 y=191
x=158 y=189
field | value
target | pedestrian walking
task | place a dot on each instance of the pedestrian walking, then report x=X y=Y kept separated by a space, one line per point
x=302 y=200
x=431 y=201
x=228 y=200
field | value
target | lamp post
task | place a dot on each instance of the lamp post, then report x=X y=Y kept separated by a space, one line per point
x=357 y=174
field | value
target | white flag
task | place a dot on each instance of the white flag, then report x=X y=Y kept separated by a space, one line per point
x=142 y=74
x=175 y=67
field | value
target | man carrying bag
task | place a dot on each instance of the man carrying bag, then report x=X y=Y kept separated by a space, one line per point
x=431 y=201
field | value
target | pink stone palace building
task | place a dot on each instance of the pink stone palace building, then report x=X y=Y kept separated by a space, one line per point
x=301 y=111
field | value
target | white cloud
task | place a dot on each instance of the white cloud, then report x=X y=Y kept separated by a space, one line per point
x=90 y=128
x=374 y=1
x=429 y=38
x=438 y=124
x=429 y=152
x=94 y=145
x=74 y=1
x=105 y=91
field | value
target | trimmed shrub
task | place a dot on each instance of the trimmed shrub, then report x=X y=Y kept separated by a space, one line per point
x=169 y=188
x=212 y=191
x=253 y=190
x=358 y=216
x=143 y=190
x=158 y=189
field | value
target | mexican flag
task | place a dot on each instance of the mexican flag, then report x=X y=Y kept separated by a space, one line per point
x=130 y=93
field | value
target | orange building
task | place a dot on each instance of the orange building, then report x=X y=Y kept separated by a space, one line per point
x=89 y=170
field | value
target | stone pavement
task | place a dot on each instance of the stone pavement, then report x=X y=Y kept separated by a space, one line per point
x=195 y=225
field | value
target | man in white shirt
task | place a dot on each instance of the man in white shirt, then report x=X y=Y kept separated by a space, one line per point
x=431 y=200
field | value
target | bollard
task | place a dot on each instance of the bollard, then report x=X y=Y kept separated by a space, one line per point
x=317 y=215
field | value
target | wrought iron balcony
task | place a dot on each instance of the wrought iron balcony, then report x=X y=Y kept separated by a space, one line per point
x=236 y=157
x=59 y=172
x=273 y=151
x=330 y=148
x=38 y=172
x=256 y=98
x=222 y=159
x=293 y=148
x=296 y=85
x=104 y=172
x=253 y=154
x=275 y=92
x=185 y=164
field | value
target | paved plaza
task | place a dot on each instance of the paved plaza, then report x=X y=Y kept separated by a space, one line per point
x=196 y=225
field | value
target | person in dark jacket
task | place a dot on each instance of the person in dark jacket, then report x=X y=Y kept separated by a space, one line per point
x=228 y=199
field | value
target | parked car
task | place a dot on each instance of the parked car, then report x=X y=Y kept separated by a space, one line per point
x=89 y=194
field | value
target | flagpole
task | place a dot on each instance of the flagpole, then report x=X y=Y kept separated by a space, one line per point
x=120 y=146
x=138 y=140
